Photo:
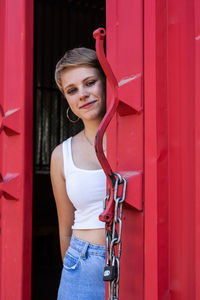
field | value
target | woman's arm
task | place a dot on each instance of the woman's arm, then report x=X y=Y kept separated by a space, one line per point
x=65 y=208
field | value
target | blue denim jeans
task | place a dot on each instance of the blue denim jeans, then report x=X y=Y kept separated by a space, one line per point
x=82 y=274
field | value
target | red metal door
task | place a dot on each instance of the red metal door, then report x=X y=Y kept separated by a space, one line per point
x=16 y=60
x=125 y=133
x=171 y=73
x=160 y=253
x=184 y=148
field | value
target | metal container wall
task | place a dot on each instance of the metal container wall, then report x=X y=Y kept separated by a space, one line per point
x=16 y=57
x=170 y=59
x=154 y=50
x=183 y=131
x=125 y=133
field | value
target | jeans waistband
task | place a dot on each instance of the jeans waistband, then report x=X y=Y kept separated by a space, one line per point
x=84 y=247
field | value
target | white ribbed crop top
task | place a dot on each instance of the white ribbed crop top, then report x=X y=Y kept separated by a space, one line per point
x=86 y=189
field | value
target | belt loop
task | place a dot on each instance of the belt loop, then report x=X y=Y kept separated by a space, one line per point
x=84 y=250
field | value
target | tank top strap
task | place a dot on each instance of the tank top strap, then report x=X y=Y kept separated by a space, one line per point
x=67 y=157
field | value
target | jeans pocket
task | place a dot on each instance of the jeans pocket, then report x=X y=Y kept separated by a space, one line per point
x=70 y=261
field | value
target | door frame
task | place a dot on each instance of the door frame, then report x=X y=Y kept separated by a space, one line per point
x=16 y=141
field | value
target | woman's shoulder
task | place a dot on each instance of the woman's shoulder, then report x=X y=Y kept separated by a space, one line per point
x=57 y=159
x=57 y=152
x=56 y=165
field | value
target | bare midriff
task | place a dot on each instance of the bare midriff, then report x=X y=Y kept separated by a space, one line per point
x=94 y=236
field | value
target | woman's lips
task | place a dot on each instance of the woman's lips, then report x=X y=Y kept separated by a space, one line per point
x=87 y=105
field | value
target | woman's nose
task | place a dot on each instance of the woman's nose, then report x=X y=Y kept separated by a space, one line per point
x=83 y=93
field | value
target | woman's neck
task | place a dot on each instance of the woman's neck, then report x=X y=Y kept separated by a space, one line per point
x=90 y=130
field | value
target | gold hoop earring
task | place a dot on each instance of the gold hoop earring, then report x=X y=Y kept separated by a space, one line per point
x=67 y=114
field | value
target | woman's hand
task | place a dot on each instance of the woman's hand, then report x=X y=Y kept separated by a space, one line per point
x=65 y=208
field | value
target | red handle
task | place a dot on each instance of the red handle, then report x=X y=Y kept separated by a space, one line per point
x=99 y=35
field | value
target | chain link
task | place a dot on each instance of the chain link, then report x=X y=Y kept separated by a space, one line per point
x=113 y=239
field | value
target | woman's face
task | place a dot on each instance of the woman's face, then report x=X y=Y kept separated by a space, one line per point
x=84 y=90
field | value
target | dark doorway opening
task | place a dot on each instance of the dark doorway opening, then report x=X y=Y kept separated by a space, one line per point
x=59 y=25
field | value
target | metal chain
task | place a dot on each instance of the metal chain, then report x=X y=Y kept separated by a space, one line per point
x=113 y=239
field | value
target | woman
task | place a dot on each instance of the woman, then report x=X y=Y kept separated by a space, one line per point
x=79 y=183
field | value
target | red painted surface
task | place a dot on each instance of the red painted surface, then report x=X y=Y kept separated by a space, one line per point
x=156 y=186
x=124 y=107
x=125 y=133
x=16 y=59
x=182 y=144
x=172 y=150
x=150 y=153
x=155 y=45
x=197 y=144
x=170 y=239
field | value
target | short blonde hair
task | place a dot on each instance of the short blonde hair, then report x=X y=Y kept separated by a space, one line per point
x=74 y=58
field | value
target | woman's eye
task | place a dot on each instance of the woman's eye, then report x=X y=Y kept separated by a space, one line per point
x=71 y=91
x=91 y=82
